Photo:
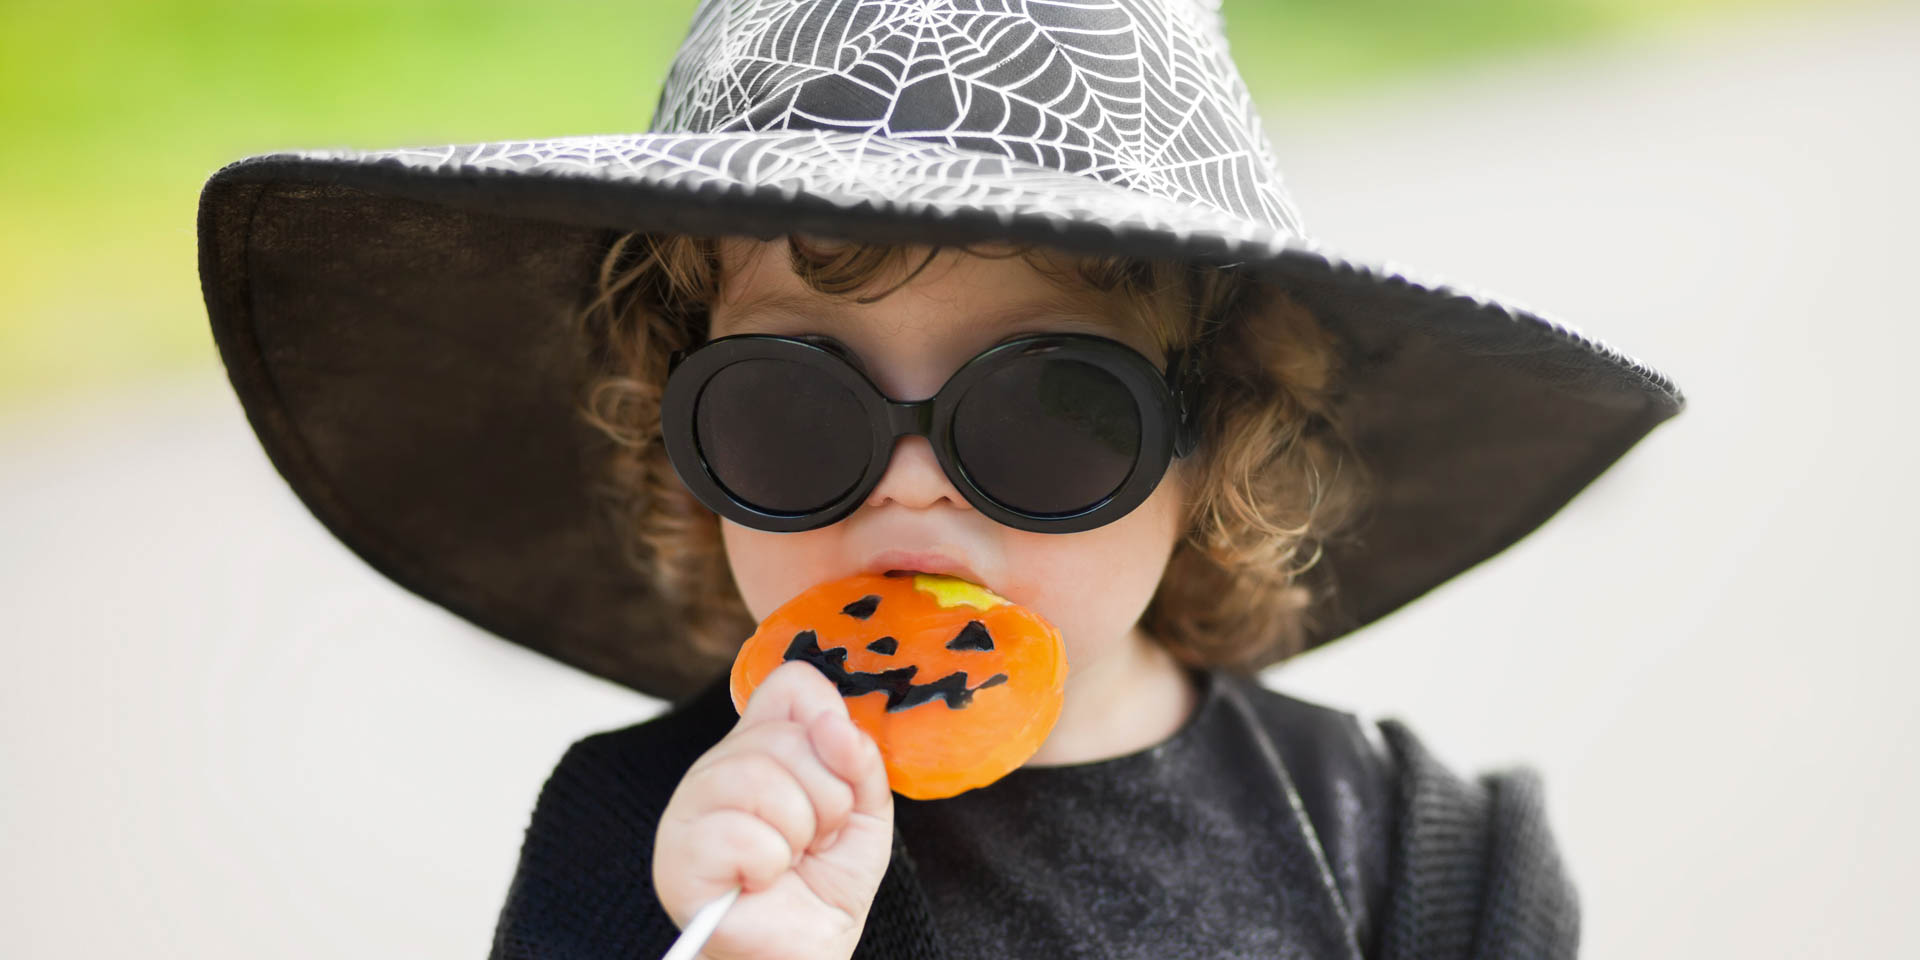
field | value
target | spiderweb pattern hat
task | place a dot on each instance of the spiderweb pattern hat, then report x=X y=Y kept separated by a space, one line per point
x=397 y=322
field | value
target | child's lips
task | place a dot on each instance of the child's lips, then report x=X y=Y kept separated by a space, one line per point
x=903 y=560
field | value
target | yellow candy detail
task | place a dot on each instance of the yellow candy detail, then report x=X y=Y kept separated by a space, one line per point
x=953 y=591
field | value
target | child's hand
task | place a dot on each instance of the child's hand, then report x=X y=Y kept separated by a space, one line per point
x=792 y=806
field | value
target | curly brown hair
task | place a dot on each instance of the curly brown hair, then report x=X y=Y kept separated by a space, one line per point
x=1273 y=479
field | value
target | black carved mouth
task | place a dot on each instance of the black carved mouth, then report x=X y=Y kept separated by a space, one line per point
x=902 y=693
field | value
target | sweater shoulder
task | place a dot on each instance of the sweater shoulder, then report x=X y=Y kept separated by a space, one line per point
x=1476 y=870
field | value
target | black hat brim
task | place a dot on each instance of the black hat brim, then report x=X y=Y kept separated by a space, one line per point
x=398 y=329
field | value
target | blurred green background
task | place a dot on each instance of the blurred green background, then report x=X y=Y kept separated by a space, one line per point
x=116 y=112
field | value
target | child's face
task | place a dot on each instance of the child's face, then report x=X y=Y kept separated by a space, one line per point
x=1093 y=585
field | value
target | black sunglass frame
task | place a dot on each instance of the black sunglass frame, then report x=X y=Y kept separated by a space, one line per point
x=1165 y=403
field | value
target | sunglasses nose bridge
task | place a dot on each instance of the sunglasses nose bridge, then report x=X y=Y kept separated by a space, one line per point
x=911 y=417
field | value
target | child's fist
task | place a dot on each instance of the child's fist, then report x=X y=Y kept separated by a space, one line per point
x=793 y=807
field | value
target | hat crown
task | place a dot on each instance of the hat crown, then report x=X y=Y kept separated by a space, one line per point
x=1139 y=93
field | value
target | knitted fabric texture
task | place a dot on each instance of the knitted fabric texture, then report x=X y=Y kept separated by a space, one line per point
x=1474 y=870
x=1258 y=830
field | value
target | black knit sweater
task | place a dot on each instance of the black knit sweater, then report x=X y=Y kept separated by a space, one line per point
x=1362 y=855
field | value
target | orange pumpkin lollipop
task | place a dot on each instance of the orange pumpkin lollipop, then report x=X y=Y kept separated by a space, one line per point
x=956 y=684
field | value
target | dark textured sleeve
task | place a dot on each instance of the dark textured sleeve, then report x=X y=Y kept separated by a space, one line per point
x=1476 y=872
x=583 y=889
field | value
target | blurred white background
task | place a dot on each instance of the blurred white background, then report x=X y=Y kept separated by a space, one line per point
x=223 y=736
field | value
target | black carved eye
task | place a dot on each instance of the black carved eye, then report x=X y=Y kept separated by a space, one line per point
x=886 y=645
x=973 y=636
x=862 y=608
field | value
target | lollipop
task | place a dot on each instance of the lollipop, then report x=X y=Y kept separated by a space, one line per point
x=956 y=684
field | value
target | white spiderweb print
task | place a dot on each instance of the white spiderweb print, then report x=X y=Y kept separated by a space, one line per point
x=1123 y=113
x=1135 y=92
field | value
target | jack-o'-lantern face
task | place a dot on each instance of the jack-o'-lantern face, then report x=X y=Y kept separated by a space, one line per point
x=956 y=684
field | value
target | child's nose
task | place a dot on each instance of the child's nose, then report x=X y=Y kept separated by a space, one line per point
x=914 y=478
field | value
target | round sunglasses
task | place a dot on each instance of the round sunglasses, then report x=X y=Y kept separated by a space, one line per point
x=1052 y=433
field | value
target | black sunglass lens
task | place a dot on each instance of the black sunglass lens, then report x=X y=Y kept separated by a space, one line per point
x=781 y=436
x=1046 y=435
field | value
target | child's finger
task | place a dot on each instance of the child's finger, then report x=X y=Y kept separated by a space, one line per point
x=830 y=796
x=747 y=850
x=852 y=755
x=846 y=866
x=793 y=691
x=794 y=697
x=755 y=782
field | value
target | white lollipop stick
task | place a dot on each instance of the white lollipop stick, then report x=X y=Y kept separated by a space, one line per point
x=701 y=927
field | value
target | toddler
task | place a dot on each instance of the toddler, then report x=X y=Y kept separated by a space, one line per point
x=1178 y=808
x=1163 y=418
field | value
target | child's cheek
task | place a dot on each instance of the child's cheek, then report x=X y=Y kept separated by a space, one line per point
x=1094 y=585
x=770 y=568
